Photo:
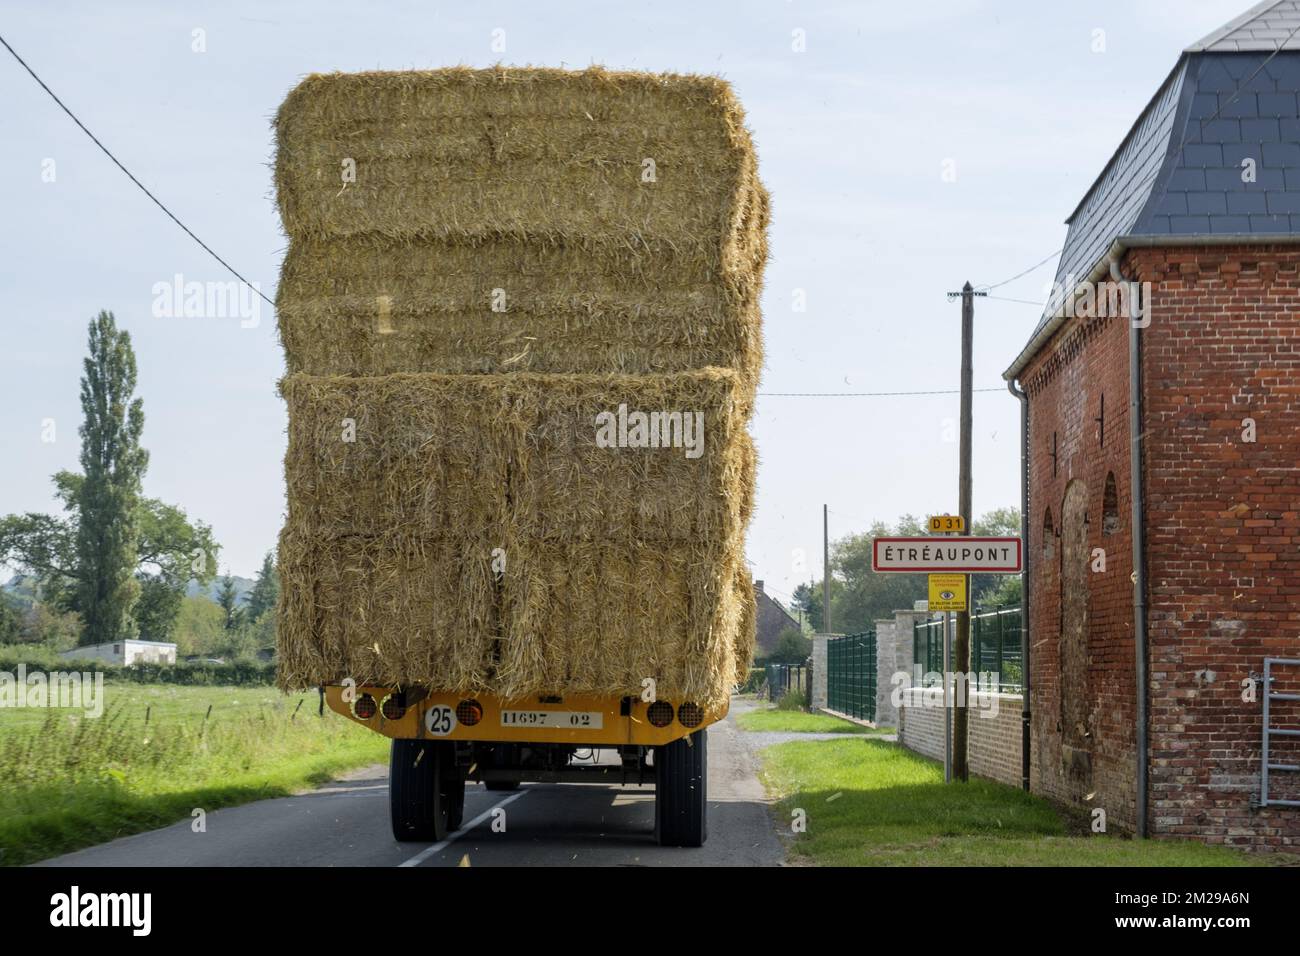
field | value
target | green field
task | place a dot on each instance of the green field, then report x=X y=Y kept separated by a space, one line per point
x=158 y=752
x=872 y=803
x=796 y=721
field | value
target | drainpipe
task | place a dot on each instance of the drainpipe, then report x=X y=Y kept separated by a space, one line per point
x=1024 y=583
x=1137 y=522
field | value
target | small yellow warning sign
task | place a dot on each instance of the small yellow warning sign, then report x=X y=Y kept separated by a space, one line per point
x=947 y=592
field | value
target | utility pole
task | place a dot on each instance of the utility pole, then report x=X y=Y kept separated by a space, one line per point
x=826 y=570
x=961 y=640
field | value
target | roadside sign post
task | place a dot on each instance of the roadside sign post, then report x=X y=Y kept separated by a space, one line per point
x=949 y=561
x=947 y=701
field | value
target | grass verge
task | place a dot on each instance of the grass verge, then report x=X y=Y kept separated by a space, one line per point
x=798 y=722
x=872 y=803
x=156 y=754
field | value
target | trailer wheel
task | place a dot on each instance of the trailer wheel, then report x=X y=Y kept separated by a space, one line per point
x=681 y=798
x=425 y=790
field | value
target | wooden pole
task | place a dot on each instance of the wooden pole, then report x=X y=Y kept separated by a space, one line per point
x=961 y=640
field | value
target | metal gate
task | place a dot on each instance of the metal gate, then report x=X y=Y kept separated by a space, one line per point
x=851 y=675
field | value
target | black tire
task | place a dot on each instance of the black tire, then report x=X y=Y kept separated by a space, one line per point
x=426 y=793
x=503 y=757
x=681 y=795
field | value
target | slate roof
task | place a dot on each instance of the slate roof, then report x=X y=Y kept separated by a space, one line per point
x=1259 y=28
x=1179 y=172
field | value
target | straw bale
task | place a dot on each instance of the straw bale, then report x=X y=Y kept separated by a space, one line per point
x=551 y=155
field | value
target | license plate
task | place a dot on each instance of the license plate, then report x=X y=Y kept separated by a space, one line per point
x=570 y=719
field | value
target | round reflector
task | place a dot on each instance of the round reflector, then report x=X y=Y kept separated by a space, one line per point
x=660 y=713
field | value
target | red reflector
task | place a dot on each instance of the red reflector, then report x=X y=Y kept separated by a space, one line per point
x=394 y=707
x=690 y=715
x=660 y=713
x=364 y=707
x=469 y=712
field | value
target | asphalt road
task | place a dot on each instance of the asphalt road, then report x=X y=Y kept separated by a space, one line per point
x=346 y=824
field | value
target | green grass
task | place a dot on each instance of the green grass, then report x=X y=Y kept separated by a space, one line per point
x=793 y=721
x=69 y=781
x=872 y=803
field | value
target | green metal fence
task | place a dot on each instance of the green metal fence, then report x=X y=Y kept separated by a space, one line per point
x=994 y=645
x=851 y=675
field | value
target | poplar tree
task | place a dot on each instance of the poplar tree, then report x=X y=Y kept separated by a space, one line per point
x=113 y=464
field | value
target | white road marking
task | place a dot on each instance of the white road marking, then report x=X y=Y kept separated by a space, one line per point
x=453 y=837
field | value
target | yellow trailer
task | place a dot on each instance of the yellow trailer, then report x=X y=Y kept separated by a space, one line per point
x=442 y=741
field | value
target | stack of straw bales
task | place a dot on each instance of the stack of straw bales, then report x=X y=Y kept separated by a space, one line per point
x=518 y=253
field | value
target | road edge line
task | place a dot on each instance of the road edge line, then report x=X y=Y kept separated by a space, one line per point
x=453 y=837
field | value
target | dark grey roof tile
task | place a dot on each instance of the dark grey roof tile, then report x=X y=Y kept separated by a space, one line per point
x=1226 y=180
x=1230 y=225
x=1239 y=105
x=1283 y=203
x=1219 y=130
x=1207 y=204
x=1234 y=153
x=1190 y=180
x=1271 y=225
x=1173 y=204
x=1281 y=105
x=1246 y=203
x=1189 y=225
x=1263 y=130
x=1282 y=155
x=1203 y=154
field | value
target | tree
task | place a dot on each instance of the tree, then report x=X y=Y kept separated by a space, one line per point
x=113 y=465
x=228 y=599
x=200 y=627
x=791 y=647
x=170 y=551
x=119 y=560
x=11 y=619
x=1000 y=522
x=1006 y=592
x=266 y=589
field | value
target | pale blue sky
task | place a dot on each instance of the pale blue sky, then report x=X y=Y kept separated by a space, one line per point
x=852 y=137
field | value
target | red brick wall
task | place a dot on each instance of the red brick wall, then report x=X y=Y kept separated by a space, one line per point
x=1223 y=539
x=1223 y=542
x=1065 y=384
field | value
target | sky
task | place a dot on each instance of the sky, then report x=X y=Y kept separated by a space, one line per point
x=908 y=147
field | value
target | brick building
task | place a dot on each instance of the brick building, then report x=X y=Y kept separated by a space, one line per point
x=770 y=620
x=1179 y=286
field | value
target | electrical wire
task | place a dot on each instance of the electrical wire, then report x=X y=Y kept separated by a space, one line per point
x=189 y=232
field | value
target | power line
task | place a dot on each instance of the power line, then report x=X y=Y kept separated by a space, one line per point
x=189 y=232
x=1024 y=272
x=1003 y=298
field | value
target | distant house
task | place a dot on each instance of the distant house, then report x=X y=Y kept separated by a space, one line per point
x=771 y=619
x=125 y=652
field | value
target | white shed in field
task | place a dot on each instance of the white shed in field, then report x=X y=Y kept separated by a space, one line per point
x=125 y=652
